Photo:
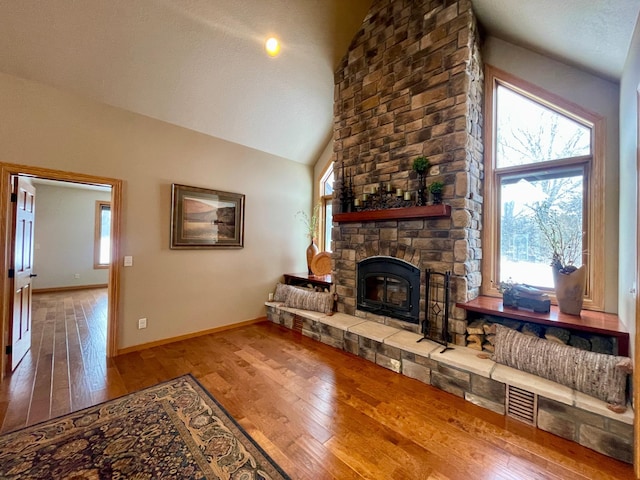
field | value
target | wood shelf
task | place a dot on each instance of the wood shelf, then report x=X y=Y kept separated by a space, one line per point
x=427 y=211
x=600 y=323
x=323 y=281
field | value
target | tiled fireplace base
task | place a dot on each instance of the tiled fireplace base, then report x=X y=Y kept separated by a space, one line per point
x=559 y=409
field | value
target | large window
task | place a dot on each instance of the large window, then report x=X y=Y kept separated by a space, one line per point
x=543 y=187
x=102 y=244
x=326 y=195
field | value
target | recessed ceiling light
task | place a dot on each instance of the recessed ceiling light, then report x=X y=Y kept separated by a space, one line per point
x=272 y=46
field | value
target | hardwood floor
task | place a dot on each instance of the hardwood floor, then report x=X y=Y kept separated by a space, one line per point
x=66 y=368
x=319 y=412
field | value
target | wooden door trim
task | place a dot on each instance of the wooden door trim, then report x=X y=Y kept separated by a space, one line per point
x=636 y=363
x=6 y=171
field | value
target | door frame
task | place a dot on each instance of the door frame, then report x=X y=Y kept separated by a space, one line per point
x=636 y=350
x=7 y=170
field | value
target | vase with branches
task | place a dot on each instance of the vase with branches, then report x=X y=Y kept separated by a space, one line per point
x=311 y=223
x=565 y=244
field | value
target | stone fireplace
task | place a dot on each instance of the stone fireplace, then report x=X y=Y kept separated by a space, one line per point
x=411 y=85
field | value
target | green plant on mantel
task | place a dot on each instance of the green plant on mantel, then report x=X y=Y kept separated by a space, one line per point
x=436 y=187
x=421 y=164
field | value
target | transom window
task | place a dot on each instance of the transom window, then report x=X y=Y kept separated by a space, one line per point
x=540 y=189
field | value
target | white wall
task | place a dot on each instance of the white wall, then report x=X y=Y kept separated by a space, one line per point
x=64 y=237
x=592 y=93
x=629 y=99
x=179 y=291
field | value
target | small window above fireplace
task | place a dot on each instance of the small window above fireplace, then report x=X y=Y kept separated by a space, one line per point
x=388 y=286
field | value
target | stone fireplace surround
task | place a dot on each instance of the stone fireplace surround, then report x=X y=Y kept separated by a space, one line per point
x=410 y=85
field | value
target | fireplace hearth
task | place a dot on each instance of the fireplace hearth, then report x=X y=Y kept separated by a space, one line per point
x=390 y=287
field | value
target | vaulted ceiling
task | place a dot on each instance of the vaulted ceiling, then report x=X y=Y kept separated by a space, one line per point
x=200 y=64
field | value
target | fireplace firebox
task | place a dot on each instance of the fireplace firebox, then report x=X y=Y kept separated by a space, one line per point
x=389 y=286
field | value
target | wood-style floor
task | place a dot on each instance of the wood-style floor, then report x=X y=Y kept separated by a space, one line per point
x=319 y=412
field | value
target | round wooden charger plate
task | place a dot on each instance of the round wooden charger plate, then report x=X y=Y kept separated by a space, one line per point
x=321 y=264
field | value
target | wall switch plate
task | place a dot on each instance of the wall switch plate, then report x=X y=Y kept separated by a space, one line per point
x=128 y=261
x=77 y=275
x=142 y=323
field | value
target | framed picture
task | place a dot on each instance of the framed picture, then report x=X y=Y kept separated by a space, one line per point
x=203 y=218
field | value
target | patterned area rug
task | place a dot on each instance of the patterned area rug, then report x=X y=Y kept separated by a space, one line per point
x=173 y=430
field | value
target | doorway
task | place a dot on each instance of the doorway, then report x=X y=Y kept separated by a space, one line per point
x=7 y=171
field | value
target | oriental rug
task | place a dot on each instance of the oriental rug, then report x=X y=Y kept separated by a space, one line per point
x=175 y=430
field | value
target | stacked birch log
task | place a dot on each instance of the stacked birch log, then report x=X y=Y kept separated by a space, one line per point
x=481 y=336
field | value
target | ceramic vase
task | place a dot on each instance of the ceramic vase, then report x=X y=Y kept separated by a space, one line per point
x=570 y=290
x=312 y=251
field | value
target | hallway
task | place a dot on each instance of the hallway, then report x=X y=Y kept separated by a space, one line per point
x=66 y=368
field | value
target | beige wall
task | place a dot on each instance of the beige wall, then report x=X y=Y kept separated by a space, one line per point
x=179 y=291
x=64 y=237
x=629 y=98
x=590 y=92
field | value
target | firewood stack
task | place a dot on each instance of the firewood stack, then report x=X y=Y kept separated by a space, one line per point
x=481 y=335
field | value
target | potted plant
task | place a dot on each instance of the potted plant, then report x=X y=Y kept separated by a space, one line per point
x=421 y=164
x=566 y=245
x=436 y=192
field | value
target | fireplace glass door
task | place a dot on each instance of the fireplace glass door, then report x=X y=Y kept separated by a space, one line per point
x=388 y=286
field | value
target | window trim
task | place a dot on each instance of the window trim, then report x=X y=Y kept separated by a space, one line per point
x=324 y=200
x=594 y=195
x=100 y=204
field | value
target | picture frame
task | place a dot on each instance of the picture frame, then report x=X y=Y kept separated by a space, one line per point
x=205 y=218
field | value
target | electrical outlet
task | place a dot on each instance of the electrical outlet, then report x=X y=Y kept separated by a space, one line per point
x=142 y=323
x=76 y=275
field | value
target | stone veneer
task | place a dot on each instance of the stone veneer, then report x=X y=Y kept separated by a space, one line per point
x=560 y=410
x=411 y=84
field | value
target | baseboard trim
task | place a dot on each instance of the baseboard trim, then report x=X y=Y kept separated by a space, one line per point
x=69 y=289
x=157 y=343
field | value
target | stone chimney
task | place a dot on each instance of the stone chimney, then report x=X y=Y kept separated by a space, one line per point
x=411 y=84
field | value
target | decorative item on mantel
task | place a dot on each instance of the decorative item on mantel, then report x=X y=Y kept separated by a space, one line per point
x=436 y=192
x=385 y=195
x=421 y=165
x=347 y=198
x=311 y=224
x=381 y=197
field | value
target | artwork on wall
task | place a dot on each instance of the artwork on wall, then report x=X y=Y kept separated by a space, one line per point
x=203 y=218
